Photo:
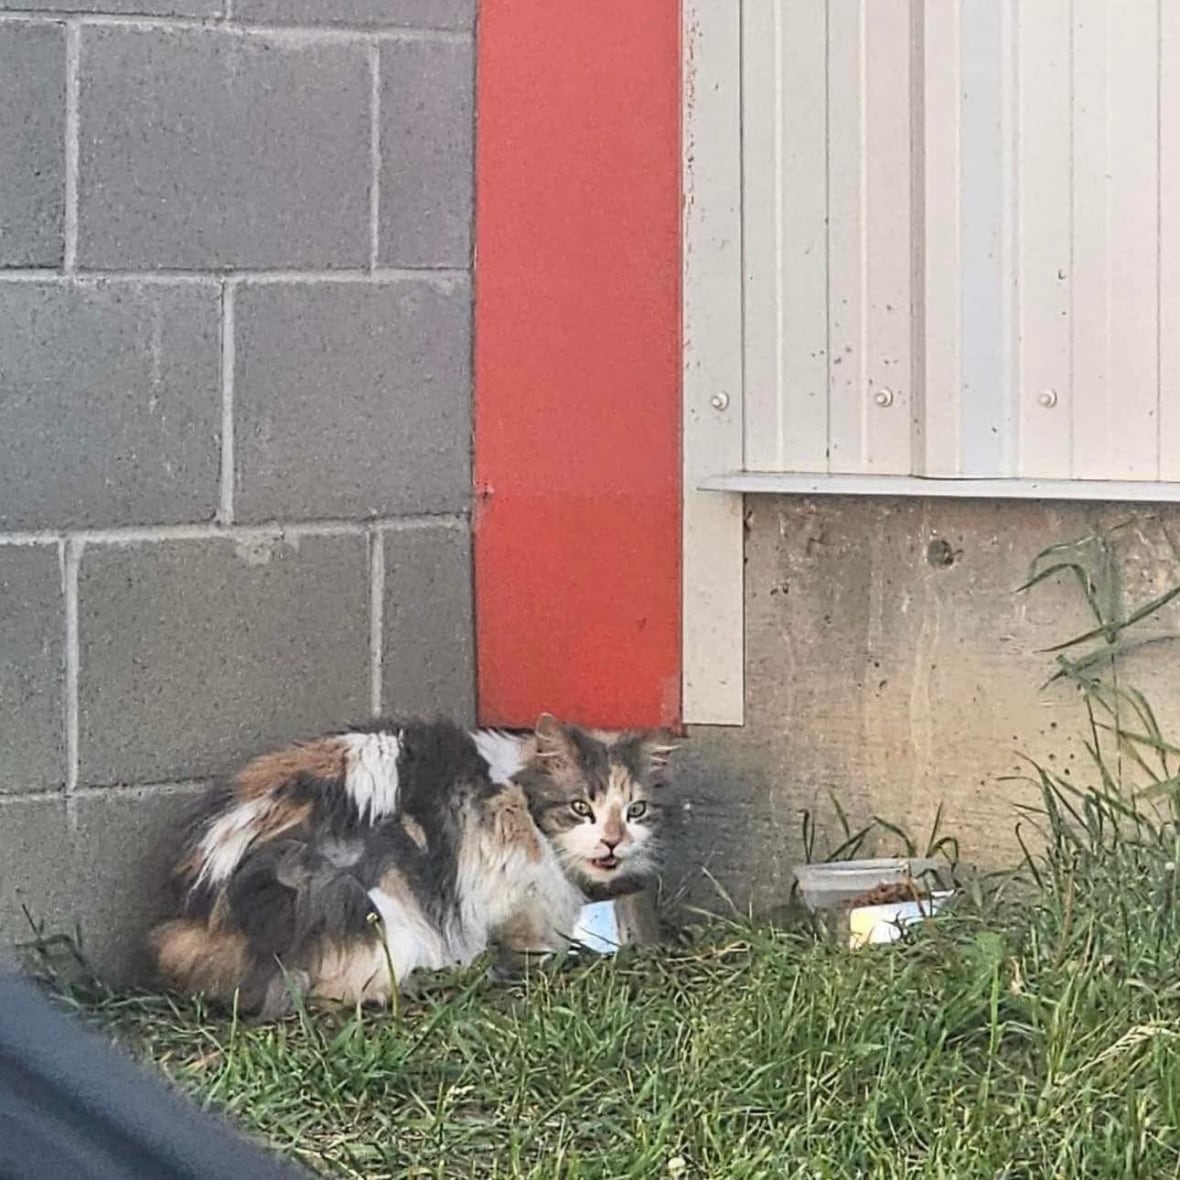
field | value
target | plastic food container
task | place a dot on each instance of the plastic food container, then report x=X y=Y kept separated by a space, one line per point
x=826 y=886
x=831 y=889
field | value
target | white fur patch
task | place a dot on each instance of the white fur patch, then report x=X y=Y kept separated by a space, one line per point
x=503 y=752
x=359 y=972
x=371 y=776
x=497 y=882
x=412 y=941
x=227 y=840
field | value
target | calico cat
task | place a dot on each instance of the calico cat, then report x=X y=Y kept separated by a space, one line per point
x=401 y=845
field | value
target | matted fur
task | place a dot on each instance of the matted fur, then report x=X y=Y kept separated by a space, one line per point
x=400 y=846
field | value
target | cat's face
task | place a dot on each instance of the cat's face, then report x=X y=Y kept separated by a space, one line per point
x=593 y=797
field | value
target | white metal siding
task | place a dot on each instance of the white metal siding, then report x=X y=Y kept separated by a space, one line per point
x=961 y=237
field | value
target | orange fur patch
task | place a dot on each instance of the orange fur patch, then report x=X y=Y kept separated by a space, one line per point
x=394 y=885
x=326 y=758
x=198 y=959
x=613 y=828
x=220 y=911
x=414 y=830
x=281 y=816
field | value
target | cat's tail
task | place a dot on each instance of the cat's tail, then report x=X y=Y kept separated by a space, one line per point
x=264 y=938
x=195 y=958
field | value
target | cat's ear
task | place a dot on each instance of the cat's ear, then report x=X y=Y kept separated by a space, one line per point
x=552 y=739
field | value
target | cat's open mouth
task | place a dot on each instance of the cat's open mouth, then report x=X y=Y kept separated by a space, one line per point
x=606 y=863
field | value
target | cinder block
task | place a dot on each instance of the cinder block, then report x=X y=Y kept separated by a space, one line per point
x=110 y=404
x=32 y=625
x=101 y=881
x=35 y=869
x=206 y=148
x=422 y=14
x=197 y=653
x=122 y=7
x=352 y=399
x=427 y=138
x=124 y=846
x=428 y=649
x=32 y=144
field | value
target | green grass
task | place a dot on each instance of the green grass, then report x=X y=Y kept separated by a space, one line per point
x=1033 y=1032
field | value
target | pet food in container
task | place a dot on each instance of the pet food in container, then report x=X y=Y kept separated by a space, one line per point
x=874 y=900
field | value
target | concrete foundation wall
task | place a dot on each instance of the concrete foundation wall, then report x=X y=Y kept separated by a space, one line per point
x=235 y=411
x=889 y=664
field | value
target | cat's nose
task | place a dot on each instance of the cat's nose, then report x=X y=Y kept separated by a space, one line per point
x=611 y=844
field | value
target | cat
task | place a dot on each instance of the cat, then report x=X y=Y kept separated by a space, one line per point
x=337 y=868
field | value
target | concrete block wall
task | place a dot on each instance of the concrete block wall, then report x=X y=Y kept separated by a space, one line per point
x=235 y=411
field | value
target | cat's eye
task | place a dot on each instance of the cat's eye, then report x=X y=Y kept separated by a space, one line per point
x=636 y=810
x=582 y=808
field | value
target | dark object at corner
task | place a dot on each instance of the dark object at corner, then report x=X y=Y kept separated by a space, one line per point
x=71 y=1106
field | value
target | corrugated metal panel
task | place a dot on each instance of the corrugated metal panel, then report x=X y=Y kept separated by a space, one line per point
x=846 y=373
x=1132 y=229
x=986 y=391
x=1169 y=330
x=994 y=293
x=1044 y=205
x=1086 y=413
x=826 y=234
x=785 y=236
x=886 y=394
x=938 y=164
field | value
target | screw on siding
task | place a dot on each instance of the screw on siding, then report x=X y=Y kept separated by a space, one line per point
x=719 y=401
x=883 y=397
x=1048 y=398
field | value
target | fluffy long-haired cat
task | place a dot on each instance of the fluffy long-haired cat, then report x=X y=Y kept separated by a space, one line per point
x=340 y=866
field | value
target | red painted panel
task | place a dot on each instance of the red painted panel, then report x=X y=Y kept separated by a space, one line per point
x=577 y=362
